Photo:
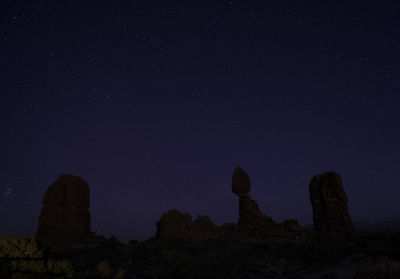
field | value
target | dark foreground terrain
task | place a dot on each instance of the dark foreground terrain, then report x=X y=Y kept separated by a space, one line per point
x=284 y=255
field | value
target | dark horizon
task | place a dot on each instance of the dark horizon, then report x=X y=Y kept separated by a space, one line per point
x=155 y=104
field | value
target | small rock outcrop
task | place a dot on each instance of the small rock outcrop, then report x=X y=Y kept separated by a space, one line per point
x=205 y=229
x=176 y=225
x=291 y=225
x=64 y=221
x=250 y=216
x=329 y=203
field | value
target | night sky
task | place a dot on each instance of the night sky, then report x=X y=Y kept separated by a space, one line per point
x=154 y=103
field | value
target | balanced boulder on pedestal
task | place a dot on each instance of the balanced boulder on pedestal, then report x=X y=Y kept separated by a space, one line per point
x=251 y=219
x=250 y=216
x=175 y=225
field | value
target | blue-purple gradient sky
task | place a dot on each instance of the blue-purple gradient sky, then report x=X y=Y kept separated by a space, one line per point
x=155 y=102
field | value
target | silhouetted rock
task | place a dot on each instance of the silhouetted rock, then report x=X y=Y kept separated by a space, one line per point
x=175 y=225
x=329 y=203
x=64 y=221
x=250 y=216
x=204 y=229
x=291 y=225
x=251 y=219
x=203 y=222
x=240 y=181
x=227 y=228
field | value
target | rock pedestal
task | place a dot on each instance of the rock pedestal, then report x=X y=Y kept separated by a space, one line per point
x=64 y=221
x=250 y=216
x=251 y=219
x=329 y=202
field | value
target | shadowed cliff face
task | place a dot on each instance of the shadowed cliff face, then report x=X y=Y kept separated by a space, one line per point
x=329 y=202
x=65 y=219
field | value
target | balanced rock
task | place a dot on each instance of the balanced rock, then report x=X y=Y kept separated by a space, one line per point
x=250 y=216
x=251 y=219
x=64 y=221
x=329 y=202
x=240 y=181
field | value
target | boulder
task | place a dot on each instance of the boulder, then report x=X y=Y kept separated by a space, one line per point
x=329 y=203
x=240 y=181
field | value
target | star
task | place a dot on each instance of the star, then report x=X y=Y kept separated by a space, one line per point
x=9 y=193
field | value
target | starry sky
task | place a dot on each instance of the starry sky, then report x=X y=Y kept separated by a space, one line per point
x=154 y=103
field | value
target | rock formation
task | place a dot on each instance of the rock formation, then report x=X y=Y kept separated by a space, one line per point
x=251 y=219
x=64 y=221
x=250 y=216
x=240 y=182
x=329 y=203
x=176 y=225
x=291 y=225
x=204 y=229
